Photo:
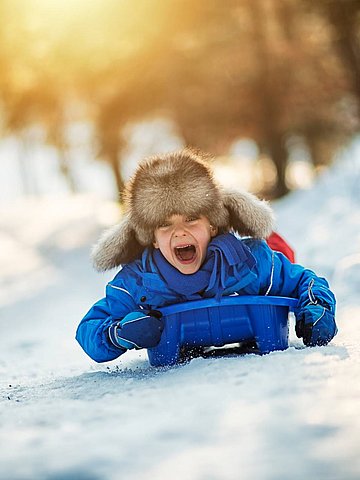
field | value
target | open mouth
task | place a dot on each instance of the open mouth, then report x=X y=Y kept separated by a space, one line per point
x=185 y=253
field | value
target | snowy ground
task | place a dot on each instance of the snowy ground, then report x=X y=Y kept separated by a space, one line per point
x=287 y=415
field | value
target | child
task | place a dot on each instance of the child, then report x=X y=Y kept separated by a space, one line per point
x=175 y=245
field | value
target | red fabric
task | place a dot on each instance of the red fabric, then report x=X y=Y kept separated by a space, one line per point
x=276 y=242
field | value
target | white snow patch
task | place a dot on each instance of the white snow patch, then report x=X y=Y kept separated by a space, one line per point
x=291 y=414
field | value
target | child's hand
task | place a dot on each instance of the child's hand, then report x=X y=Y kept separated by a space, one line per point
x=137 y=330
x=316 y=325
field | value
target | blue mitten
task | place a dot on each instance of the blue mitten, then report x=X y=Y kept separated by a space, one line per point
x=137 y=330
x=316 y=325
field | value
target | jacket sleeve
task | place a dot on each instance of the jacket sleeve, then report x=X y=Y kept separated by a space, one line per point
x=292 y=280
x=92 y=332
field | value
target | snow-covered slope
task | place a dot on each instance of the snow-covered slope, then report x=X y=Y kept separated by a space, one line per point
x=291 y=414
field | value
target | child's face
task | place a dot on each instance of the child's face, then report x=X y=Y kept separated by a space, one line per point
x=183 y=241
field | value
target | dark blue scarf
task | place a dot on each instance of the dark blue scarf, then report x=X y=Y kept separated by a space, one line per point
x=224 y=255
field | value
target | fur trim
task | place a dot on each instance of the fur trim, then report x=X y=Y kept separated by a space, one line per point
x=248 y=215
x=178 y=183
x=117 y=245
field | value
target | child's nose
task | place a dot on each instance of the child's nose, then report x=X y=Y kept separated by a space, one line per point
x=179 y=230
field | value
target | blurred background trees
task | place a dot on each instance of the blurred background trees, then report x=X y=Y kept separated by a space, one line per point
x=278 y=72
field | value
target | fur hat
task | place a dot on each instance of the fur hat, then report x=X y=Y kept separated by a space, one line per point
x=177 y=183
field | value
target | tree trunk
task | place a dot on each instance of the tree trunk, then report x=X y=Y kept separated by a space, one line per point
x=344 y=18
x=269 y=103
x=279 y=156
x=114 y=164
x=65 y=170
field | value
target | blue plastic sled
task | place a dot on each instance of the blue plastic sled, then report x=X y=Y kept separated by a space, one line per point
x=206 y=323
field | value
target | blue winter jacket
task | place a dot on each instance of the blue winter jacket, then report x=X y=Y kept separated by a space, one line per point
x=138 y=286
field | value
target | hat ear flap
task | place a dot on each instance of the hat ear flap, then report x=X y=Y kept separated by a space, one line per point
x=248 y=215
x=117 y=246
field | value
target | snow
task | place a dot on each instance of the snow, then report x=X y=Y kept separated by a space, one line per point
x=291 y=414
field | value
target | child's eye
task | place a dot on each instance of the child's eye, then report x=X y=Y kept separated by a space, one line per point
x=192 y=219
x=164 y=225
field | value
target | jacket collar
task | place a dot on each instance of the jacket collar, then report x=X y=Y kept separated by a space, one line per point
x=150 y=278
